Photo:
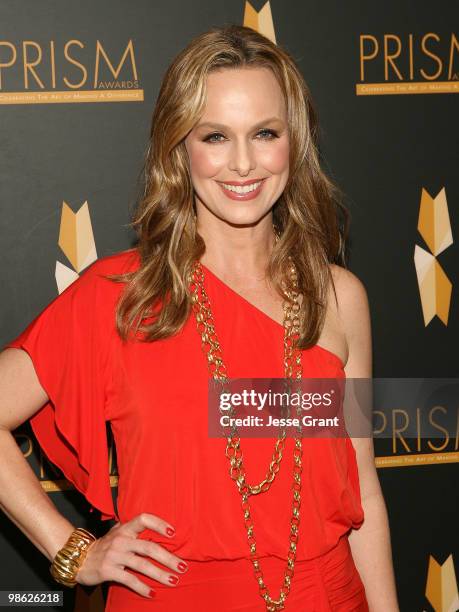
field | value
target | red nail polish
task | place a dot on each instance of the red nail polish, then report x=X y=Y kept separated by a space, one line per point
x=152 y=593
x=173 y=579
x=170 y=531
x=182 y=566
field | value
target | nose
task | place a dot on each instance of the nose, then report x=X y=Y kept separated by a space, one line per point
x=242 y=158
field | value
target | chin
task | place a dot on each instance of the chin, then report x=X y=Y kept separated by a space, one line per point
x=243 y=217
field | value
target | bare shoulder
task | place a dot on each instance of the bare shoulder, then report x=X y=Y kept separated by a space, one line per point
x=352 y=314
x=350 y=290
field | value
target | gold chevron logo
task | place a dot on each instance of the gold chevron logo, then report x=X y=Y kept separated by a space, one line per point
x=261 y=21
x=434 y=225
x=76 y=240
x=441 y=585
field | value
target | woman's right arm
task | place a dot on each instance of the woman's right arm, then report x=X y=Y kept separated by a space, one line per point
x=22 y=497
x=28 y=506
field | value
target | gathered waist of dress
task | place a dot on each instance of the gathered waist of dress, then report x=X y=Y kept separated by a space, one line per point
x=308 y=548
x=325 y=583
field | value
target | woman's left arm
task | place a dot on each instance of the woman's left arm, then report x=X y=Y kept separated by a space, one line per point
x=370 y=544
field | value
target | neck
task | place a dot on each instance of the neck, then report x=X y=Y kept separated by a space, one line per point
x=238 y=251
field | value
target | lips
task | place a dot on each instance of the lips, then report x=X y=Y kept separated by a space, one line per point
x=242 y=190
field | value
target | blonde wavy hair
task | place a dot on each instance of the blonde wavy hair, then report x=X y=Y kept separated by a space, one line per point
x=309 y=216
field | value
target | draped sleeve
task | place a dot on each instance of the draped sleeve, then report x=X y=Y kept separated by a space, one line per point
x=69 y=344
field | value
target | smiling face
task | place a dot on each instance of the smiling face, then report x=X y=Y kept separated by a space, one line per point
x=239 y=150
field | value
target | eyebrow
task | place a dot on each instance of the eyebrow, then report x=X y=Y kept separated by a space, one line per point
x=221 y=126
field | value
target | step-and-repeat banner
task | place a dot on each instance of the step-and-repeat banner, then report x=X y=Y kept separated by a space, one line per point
x=78 y=82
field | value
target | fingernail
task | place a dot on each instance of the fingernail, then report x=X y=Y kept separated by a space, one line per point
x=152 y=593
x=173 y=579
x=170 y=531
x=182 y=566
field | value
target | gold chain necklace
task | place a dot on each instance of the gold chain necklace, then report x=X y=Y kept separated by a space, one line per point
x=293 y=369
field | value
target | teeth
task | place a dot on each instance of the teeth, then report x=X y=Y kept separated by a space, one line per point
x=242 y=189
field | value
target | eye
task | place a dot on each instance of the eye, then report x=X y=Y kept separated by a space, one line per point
x=214 y=137
x=267 y=134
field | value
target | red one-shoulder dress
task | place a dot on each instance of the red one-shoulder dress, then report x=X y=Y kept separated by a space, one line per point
x=155 y=397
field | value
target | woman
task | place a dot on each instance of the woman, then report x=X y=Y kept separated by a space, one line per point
x=238 y=231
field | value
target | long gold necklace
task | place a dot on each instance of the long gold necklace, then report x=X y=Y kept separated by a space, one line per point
x=293 y=369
